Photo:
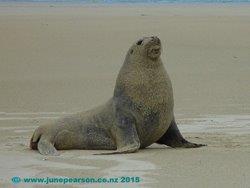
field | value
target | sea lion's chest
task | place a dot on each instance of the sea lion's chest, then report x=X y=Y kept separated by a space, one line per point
x=152 y=96
x=151 y=90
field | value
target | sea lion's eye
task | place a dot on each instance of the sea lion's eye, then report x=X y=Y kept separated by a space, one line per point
x=139 y=42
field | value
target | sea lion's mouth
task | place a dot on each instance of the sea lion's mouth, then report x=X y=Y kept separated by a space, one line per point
x=156 y=50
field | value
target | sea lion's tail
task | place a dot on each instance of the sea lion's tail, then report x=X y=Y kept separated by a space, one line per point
x=35 y=139
x=41 y=143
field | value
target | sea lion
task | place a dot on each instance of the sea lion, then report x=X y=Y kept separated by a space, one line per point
x=139 y=114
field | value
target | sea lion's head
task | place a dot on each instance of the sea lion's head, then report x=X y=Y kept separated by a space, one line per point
x=146 y=47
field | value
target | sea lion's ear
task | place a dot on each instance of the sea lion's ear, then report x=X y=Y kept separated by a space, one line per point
x=131 y=51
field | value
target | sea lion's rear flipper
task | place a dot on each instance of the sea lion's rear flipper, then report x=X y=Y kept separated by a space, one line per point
x=174 y=139
x=126 y=138
x=45 y=147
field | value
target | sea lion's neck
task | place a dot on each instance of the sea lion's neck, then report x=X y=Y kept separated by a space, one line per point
x=145 y=63
x=141 y=73
x=151 y=64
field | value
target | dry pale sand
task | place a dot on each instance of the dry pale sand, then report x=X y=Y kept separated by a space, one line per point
x=56 y=60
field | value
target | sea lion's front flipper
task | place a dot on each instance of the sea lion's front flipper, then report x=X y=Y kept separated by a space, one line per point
x=126 y=138
x=174 y=139
x=45 y=147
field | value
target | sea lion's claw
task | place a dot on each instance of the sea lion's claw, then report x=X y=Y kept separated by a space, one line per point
x=46 y=148
x=190 y=145
x=120 y=151
x=106 y=153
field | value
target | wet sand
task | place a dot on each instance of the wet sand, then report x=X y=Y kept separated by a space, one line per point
x=57 y=60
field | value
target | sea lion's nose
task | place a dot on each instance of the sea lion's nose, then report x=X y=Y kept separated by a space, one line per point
x=156 y=39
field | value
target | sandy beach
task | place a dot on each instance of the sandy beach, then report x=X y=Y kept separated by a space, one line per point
x=61 y=59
